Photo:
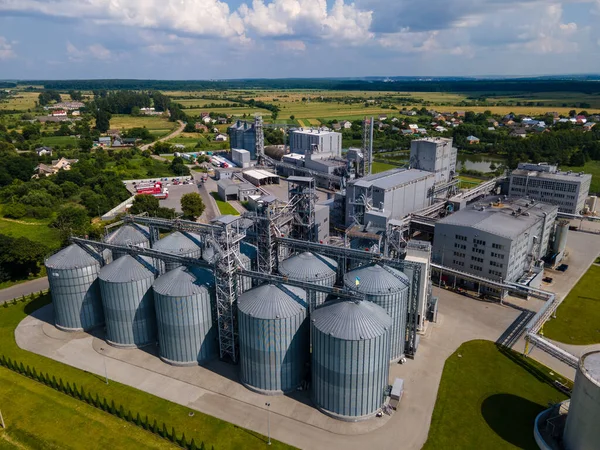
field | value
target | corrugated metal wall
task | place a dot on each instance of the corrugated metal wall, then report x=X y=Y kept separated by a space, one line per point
x=186 y=334
x=129 y=312
x=76 y=297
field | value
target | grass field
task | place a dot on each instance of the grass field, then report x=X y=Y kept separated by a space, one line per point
x=40 y=417
x=158 y=126
x=592 y=167
x=582 y=301
x=53 y=141
x=22 y=101
x=200 y=427
x=224 y=207
x=382 y=167
x=234 y=111
x=489 y=399
x=37 y=231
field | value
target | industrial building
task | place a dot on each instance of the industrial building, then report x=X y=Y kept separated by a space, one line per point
x=242 y=135
x=388 y=195
x=241 y=157
x=303 y=141
x=233 y=189
x=436 y=155
x=497 y=238
x=544 y=182
x=573 y=424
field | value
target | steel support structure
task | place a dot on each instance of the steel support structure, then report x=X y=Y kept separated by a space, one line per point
x=302 y=199
x=260 y=139
x=367 y=146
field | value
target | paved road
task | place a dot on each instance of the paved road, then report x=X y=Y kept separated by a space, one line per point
x=23 y=289
x=204 y=189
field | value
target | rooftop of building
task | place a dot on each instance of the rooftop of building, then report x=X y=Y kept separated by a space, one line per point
x=225 y=183
x=392 y=178
x=507 y=217
x=551 y=175
x=435 y=140
x=313 y=131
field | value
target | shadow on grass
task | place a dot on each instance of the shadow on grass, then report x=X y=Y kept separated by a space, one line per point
x=511 y=417
x=36 y=304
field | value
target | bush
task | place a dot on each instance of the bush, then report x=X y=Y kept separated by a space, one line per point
x=14 y=210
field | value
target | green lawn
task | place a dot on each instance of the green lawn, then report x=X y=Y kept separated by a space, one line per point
x=53 y=141
x=488 y=399
x=140 y=167
x=582 y=302
x=200 y=427
x=40 y=417
x=224 y=207
x=592 y=167
x=382 y=167
x=36 y=231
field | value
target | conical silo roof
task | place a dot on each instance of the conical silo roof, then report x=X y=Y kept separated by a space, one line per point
x=183 y=282
x=351 y=320
x=272 y=301
x=308 y=266
x=128 y=234
x=375 y=279
x=124 y=269
x=177 y=243
x=70 y=257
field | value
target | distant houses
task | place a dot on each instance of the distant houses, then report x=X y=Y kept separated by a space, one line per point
x=472 y=140
x=44 y=151
x=44 y=170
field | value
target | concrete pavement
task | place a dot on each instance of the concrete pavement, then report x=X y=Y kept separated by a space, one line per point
x=18 y=290
x=204 y=189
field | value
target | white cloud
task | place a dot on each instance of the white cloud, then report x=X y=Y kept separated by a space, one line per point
x=307 y=18
x=6 y=48
x=200 y=18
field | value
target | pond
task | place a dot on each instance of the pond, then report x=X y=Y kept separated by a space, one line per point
x=480 y=163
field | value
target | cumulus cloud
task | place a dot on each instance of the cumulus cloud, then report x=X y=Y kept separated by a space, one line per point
x=6 y=48
x=307 y=18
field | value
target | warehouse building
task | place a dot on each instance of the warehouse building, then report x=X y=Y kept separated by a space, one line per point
x=435 y=155
x=544 y=182
x=388 y=195
x=260 y=177
x=242 y=135
x=496 y=238
x=232 y=189
x=328 y=142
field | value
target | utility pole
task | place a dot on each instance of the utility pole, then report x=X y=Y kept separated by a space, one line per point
x=268 y=405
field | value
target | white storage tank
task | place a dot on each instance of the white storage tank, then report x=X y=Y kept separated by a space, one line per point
x=311 y=268
x=180 y=244
x=273 y=338
x=389 y=288
x=128 y=235
x=582 y=431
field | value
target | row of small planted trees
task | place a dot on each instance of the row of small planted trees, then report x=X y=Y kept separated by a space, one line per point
x=79 y=393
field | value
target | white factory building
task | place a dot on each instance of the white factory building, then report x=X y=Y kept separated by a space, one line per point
x=568 y=190
x=388 y=195
x=328 y=142
x=435 y=155
x=496 y=238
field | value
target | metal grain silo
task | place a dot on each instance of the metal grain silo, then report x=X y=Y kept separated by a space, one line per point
x=126 y=287
x=129 y=235
x=350 y=358
x=181 y=244
x=582 y=431
x=184 y=317
x=72 y=275
x=273 y=338
x=251 y=251
x=560 y=237
x=389 y=289
x=311 y=268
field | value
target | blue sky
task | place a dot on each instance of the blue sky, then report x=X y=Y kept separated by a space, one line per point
x=207 y=39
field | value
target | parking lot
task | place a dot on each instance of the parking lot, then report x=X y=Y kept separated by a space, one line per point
x=176 y=191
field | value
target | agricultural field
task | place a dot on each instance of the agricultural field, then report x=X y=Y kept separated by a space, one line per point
x=22 y=101
x=49 y=417
x=158 y=126
x=234 y=111
x=488 y=399
x=582 y=301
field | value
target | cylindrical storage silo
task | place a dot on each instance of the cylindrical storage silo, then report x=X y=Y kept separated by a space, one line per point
x=72 y=275
x=128 y=235
x=180 y=244
x=560 y=236
x=126 y=287
x=350 y=358
x=316 y=269
x=273 y=338
x=183 y=304
x=388 y=288
x=251 y=251
x=582 y=431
